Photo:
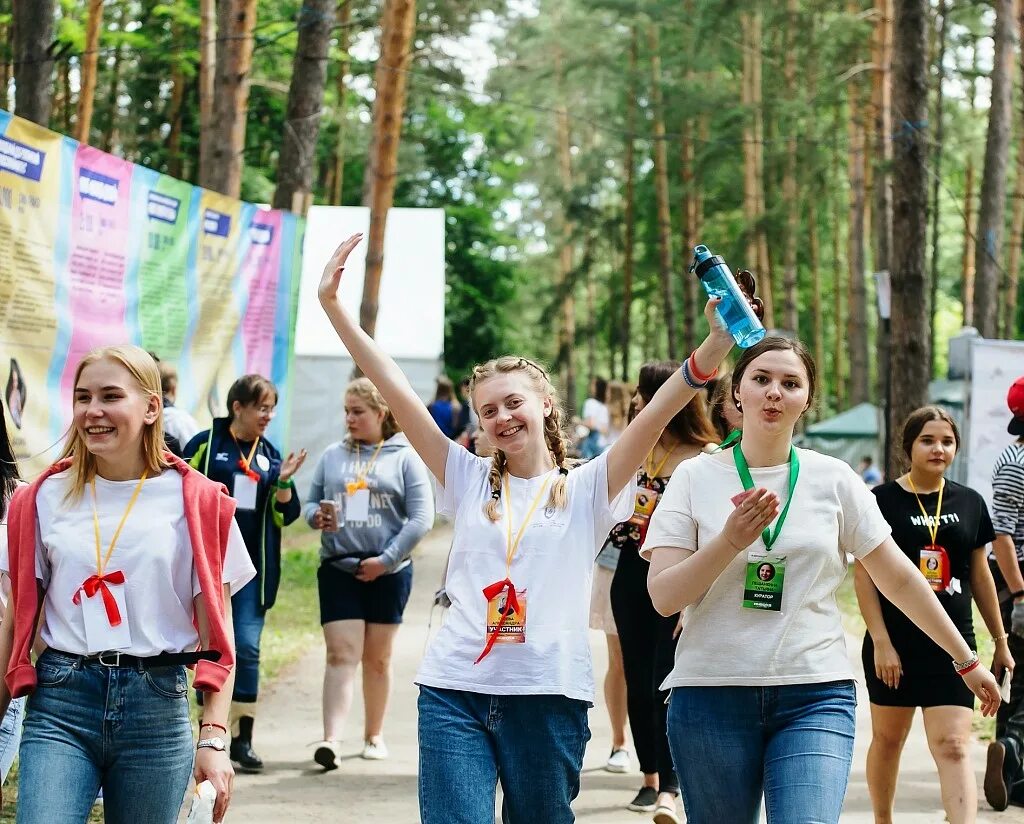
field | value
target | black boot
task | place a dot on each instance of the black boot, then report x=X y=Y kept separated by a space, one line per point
x=242 y=752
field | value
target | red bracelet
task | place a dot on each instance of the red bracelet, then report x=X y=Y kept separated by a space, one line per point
x=697 y=374
x=967 y=669
x=215 y=726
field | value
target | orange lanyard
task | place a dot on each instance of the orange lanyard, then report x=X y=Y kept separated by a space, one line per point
x=650 y=462
x=931 y=525
x=246 y=462
x=101 y=563
x=360 y=482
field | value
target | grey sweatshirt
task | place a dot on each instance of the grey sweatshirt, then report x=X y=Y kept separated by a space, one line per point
x=401 y=503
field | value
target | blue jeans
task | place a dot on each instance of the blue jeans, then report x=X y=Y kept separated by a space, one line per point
x=10 y=735
x=88 y=726
x=248 y=618
x=532 y=744
x=791 y=744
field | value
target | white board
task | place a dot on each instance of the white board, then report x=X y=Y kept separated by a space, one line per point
x=410 y=320
x=995 y=364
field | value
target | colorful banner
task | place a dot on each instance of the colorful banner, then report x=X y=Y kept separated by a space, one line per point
x=96 y=250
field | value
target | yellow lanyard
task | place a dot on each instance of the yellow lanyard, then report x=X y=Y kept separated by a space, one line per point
x=513 y=545
x=933 y=526
x=650 y=462
x=246 y=461
x=101 y=564
x=360 y=482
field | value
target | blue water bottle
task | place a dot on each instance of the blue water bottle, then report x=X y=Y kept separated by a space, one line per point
x=734 y=310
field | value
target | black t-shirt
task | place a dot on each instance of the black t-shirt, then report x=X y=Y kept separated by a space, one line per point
x=629 y=535
x=964 y=526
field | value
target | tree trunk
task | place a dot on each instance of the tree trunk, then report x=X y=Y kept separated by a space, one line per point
x=591 y=284
x=236 y=20
x=910 y=334
x=6 y=36
x=1009 y=326
x=398 y=21
x=753 y=161
x=341 y=93
x=567 y=330
x=630 y=215
x=688 y=235
x=933 y=273
x=33 y=62
x=89 y=61
x=970 y=226
x=661 y=194
x=838 y=285
x=857 y=325
x=207 y=83
x=305 y=101
x=992 y=202
x=814 y=263
x=110 y=133
x=175 y=109
x=881 y=213
x=790 y=316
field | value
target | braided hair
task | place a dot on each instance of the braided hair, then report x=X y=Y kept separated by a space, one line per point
x=554 y=434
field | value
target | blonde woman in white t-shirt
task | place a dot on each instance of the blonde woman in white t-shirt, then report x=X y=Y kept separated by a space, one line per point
x=506 y=684
x=762 y=690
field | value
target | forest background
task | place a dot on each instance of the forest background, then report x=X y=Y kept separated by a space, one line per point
x=581 y=148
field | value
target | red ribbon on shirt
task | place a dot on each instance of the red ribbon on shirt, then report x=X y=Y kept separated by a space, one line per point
x=95 y=583
x=511 y=605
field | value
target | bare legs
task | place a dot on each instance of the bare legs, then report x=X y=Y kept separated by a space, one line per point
x=615 y=692
x=949 y=736
x=350 y=643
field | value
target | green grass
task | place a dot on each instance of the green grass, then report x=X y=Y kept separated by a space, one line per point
x=293 y=626
x=984 y=728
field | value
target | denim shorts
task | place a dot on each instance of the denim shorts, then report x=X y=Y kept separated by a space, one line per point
x=89 y=725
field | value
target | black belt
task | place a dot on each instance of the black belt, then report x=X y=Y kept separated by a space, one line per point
x=113 y=658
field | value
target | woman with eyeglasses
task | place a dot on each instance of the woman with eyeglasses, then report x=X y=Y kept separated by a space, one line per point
x=235 y=452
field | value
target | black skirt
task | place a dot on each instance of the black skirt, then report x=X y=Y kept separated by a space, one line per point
x=916 y=688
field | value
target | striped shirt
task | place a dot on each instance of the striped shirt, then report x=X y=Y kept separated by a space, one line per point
x=1008 y=496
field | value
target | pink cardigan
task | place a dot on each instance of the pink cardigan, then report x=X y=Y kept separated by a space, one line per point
x=208 y=512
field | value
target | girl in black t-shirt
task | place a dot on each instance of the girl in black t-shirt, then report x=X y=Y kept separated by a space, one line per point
x=943 y=528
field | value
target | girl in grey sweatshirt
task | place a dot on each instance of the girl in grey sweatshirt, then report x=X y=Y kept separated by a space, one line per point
x=380 y=505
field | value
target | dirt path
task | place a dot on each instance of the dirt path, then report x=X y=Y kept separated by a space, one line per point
x=293 y=789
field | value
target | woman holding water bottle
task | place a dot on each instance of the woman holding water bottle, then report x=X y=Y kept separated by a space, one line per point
x=371 y=498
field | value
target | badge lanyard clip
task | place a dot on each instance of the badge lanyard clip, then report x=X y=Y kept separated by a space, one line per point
x=360 y=482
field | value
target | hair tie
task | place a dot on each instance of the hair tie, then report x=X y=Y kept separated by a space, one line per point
x=562 y=470
x=496 y=495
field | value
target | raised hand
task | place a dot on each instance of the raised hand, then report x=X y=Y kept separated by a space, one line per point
x=291 y=465
x=328 y=289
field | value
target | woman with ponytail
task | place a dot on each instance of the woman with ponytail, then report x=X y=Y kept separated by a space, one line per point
x=506 y=684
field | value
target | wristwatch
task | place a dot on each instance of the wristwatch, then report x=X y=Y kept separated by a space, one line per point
x=212 y=743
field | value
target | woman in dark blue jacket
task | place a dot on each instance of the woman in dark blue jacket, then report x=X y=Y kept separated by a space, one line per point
x=234 y=452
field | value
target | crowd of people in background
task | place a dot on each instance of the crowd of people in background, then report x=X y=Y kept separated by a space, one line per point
x=676 y=516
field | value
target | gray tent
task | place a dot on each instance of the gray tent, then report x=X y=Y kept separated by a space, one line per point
x=850 y=435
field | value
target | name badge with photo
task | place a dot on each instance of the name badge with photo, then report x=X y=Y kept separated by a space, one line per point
x=513 y=631
x=765 y=578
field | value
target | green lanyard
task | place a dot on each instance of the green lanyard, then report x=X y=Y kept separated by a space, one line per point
x=748 y=484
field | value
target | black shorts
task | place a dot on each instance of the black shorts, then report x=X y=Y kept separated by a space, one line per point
x=345 y=598
x=916 y=689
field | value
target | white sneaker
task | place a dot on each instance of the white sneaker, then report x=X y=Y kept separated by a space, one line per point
x=375 y=750
x=618 y=762
x=326 y=755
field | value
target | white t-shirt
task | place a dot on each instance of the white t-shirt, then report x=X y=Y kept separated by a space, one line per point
x=722 y=643
x=554 y=564
x=154 y=552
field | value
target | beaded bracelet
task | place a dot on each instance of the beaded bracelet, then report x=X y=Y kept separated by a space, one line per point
x=215 y=726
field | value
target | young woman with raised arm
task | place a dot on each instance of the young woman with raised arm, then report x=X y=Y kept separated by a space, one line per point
x=944 y=529
x=506 y=685
x=133 y=556
x=762 y=690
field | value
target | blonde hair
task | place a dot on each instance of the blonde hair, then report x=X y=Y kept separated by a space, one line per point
x=619 y=396
x=553 y=434
x=141 y=366
x=364 y=389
